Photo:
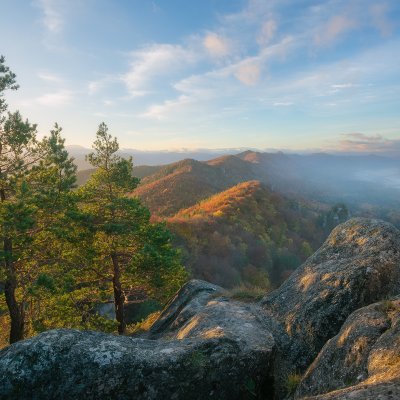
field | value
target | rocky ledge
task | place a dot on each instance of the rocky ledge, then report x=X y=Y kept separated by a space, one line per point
x=335 y=321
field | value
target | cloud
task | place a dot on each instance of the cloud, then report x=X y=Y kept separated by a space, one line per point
x=268 y=31
x=335 y=27
x=248 y=73
x=360 y=142
x=343 y=85
x=154 y=61
x=217 y=46
x=52 y=18
x=49 y=77
x=283 y=104
x=362 y=137
x=160 y=111
x=379 y=14
x=56 y=99
x=108 y=103
x=202 y=90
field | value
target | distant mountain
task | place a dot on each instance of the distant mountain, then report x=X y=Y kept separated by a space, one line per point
x=355 y=180
x=182 y=184
x=152 y=158
x=247 y=234
x=358 y=181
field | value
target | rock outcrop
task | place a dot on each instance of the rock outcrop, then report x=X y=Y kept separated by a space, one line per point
x=357 y=265
x=208 y=347
x=363 y=359
x=205 y=345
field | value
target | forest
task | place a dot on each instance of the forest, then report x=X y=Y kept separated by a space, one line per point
x=66 y=249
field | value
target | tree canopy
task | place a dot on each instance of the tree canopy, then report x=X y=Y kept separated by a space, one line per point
x=65 y=250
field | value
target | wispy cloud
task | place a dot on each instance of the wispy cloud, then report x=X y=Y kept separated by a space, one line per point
x=283 y=104
x=50 y=77
x=52 y=15
x=56 y=99
x=155 y=61
x=334 y=28
x=343 y=85
x=216 y=45
x=267 y=33
x=360 y=142
x=161 y=111
x=380 y=18
x=248 y=72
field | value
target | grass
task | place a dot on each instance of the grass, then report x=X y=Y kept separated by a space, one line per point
x=144 y=325
x=248 y=294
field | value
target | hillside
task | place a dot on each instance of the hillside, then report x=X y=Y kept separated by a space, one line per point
x=356 y=180
x=183 y=184
x=246 y=234
x=368 y=185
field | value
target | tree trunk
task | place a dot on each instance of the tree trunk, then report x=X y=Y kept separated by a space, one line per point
x=16 y=310
x=119 y=297
x=10 y=285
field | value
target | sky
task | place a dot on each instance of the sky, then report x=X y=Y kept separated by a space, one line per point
x=179 y=74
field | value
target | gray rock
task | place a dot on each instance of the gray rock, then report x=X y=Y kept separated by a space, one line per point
x=208 y=347
x=363 y=360
x=357 y=265
x=377 y=391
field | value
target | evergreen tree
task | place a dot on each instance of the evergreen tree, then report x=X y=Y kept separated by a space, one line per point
x=127 y=249
x=34 y=176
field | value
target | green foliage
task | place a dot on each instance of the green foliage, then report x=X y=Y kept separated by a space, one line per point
x=7 y=82
x=124 y=249
x=64 y=250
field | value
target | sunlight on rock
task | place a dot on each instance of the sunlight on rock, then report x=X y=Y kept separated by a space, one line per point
x=186 y=330
x=213 y=333
x=308 y=280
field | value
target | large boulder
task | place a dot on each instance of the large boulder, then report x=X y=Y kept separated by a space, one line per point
x=358 y=264
x=362 y=361
x=208 y=347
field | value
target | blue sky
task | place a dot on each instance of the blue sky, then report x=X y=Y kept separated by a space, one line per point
x=173 y=74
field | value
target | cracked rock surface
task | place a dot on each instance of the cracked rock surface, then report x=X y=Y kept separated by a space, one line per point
x=362 y=361
x=207 y=347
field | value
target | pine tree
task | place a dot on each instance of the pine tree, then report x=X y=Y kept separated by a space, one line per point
x=128 y=249
x=34 y=177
